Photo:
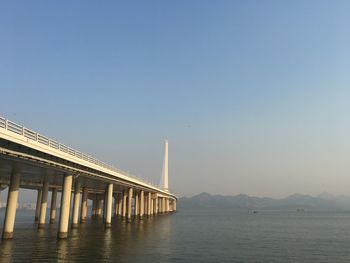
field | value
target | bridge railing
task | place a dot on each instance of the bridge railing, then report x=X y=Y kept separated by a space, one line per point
x=32 y=135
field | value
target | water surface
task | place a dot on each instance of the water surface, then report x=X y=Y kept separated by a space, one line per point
x=189 y=236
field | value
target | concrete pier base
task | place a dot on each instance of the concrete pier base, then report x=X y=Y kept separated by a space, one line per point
x=65 y=206
x=11 y=206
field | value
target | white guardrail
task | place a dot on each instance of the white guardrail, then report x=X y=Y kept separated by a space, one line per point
x=20 y=130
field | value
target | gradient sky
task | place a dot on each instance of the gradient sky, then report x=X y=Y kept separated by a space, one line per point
x=253 y=96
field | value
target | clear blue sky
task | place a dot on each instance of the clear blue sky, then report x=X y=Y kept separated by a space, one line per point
x=252 y=95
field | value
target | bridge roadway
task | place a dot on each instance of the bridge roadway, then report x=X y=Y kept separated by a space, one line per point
x=33 y=161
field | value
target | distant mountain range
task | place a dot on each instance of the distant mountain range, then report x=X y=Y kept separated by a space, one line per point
x=322 y=202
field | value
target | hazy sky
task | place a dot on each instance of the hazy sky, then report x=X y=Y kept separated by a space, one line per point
x=253 y=96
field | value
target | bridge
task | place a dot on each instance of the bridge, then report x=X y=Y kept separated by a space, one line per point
x=33 y=161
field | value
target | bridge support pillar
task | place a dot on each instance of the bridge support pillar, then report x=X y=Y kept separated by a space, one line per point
x=171 y=205
x=94 y=206
x=120 y=204
x=146 y=204
x=124 y=203
x=129 y=203
x=99 y=207
x=163 y=205
x=149 y=202
x=75 y=219
x=155 y=206
x=142 y=204
x=137 y=205
x=116 y=203
x=151 y=205
x=84 y=206
x=43 y=206
x=53 y=206
x=160 y=208
x=109 y=198
x=37 y=207
x=104 y=205
x=65 y=206
x=10 y=214
x=159 y=205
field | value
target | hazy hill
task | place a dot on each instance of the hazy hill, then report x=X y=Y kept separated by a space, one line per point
x=323 y=202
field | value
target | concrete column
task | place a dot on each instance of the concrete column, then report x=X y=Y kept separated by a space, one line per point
x=99 y=207
x=142 y=204
x=120 y=204
x=109 y=205
x=94 y=206
x=43 y=205
x=116 y=204
x=10 y=214
x=151 y=205
x=129 y=203
x=159 y=205
x=155 y=206
x=104 y=206
x=170 y=205
x=75 y=219
x=163 y=205
x=175 y=205
x=137 y=209
x=53 y=206
x=149 y=199
x=84 y=206
x=37 y=207
x=124 y=203
x=65 y=206
x=146 y=204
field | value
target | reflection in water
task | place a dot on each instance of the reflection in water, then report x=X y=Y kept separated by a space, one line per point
x=107 y=244
x=62 y=249
x=6 y=250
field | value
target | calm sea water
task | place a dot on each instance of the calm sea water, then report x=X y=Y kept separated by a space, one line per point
x=189 y=236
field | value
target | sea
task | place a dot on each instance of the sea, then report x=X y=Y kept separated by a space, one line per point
x=189 y=235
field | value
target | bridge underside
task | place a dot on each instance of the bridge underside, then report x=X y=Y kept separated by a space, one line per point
x=35 y=166
x=25 y=167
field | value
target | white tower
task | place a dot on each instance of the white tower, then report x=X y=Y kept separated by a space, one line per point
x=166 y=168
